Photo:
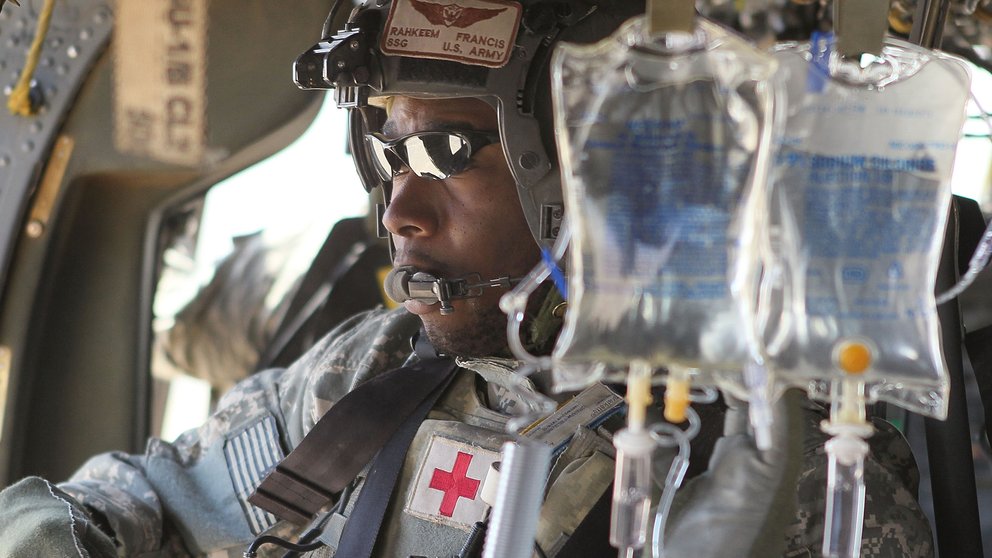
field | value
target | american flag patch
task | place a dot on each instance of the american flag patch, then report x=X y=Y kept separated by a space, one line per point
x=251 y=455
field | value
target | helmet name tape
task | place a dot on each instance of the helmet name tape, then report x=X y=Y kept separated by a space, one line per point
x=479 y=32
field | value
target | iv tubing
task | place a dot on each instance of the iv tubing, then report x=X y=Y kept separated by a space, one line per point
x=514 y=303
x=676 y=474
x=845 y=476
x=759 y=407
x=980 y=258
x=540 y=405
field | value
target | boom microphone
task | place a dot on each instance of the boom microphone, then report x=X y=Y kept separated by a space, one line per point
x=406 y=283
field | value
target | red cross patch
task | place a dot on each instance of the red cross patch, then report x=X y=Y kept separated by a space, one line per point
x=449 y=483
x=455 y=484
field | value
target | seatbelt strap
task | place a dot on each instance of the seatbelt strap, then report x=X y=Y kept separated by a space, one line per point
x=977 y=340
x=349 y=434
x=321 y=293
x=362 y=528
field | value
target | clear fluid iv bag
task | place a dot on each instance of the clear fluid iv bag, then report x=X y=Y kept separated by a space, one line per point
x=662 y=143
x=860 y=195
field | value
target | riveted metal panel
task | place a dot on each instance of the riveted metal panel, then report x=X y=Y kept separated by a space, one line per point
x=79 y=32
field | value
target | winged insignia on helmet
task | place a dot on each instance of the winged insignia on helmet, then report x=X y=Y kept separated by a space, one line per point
x=14 y=2
x=453 y=15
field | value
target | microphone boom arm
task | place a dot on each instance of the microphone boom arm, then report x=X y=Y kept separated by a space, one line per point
x=426 y=288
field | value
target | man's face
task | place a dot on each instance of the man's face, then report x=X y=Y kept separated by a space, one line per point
x=469 y=222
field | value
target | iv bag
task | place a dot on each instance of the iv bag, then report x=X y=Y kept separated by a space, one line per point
x=860 y=195
x=662 y=144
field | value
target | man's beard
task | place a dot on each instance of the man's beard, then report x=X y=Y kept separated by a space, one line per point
x=483 y=336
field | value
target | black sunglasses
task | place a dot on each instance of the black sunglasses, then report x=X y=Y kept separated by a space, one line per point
x=435 y=155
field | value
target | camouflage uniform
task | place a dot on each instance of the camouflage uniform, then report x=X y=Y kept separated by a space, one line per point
x=189 y=498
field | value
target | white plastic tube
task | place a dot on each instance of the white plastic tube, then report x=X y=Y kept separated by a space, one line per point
x=845 y=496
x=668 y=435
x=631 y=490
x=845 y=509
x=759 y=406
x=632 y=476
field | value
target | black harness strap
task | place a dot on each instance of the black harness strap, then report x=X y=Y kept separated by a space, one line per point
x=340 y=283
x=291 y=329
x=362 y=529
x=346 y=438
x=979 y=348
x=977 y=340
x=952 y=468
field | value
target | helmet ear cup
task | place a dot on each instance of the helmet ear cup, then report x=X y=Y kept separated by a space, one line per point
x=579 y=22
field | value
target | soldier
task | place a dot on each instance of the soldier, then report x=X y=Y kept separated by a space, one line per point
x=451 y=120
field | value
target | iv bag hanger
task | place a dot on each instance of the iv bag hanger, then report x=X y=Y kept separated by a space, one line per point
x=671 y=16
x=860 y=26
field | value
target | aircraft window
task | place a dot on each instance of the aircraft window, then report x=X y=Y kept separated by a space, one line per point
x=229 y=260
x=973 y=161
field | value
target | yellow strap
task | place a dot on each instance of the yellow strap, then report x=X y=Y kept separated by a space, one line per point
x=19 y=101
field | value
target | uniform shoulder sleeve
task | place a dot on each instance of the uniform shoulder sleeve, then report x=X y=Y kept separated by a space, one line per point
x=189 y=497
x=359 y=349
x=39 y=519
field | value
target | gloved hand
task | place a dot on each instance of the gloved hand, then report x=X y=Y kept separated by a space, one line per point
x=741 y=505
x=38 y=519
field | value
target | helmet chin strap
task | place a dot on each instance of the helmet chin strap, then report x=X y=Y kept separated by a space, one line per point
x=406 y=283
